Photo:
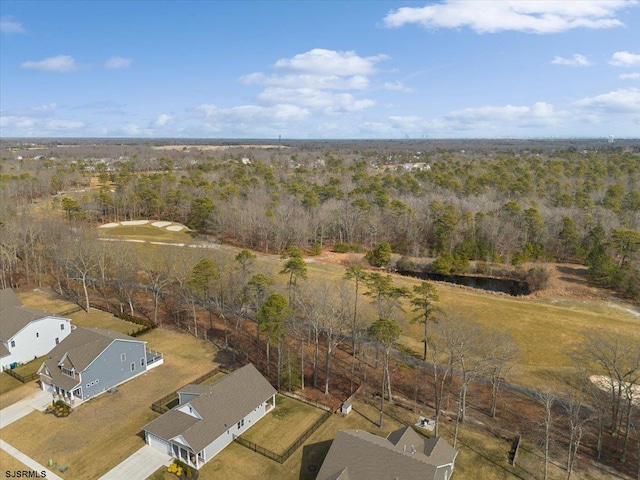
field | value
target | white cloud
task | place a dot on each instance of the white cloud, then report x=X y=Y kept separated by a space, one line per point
x=330 y=62
x=528 y=16
x=118 y=62
x=576 y=60
x=332 y=82
x=163 y=120
x=624 y=59
x=625 y=100
x=629 y=76
x=318 y=80
x=494 y=118
x=252 y=114
x=10 y=27
x=61 y=63
x=328 y=102
x=397 y=86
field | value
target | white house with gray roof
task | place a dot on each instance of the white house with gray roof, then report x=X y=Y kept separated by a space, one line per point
x=92 y=360
x=27 y=333
x=208 y=418
x=403 y=455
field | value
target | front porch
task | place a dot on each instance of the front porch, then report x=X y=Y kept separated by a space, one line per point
x=187 y=455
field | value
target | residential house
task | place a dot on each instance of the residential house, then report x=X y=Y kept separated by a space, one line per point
x=403 y=455
x=27 y=333
x=208 y=418
x=91 y=360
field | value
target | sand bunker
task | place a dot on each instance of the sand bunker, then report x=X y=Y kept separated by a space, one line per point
x=604 y=383
x=135 y=222
x=161 y=224
x=175 y=228
x=109 y=225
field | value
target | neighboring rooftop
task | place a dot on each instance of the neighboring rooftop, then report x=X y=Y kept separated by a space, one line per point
x=14 y=316
x=220 y=405
x=403 y=455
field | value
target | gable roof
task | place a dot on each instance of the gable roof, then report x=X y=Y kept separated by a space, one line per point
x=77 y=351
x=83 y=345
x=8 y=299
x=14 y=316
x=221 y=406
x=360 y=455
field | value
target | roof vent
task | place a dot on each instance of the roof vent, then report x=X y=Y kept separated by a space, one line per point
x=413 y=449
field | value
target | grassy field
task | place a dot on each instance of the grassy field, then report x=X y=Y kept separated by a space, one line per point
x=148 y=233
x=10 y=464
x=12 y=390
x=36 y=299
x=281 y=427
x=90 y=441
x=30 y=367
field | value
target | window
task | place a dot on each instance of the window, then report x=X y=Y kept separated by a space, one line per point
x=241 y=424
x=37 y=335
x=62 y=326
x=142 y=362
x=13 y=343
x=57 y=340
x=133 y=367
x=97 y=380
x=123 y=357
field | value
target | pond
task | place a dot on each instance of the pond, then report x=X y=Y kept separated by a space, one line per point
x=511 y=287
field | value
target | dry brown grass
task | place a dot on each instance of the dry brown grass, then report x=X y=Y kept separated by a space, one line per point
x=9 y=384
x=283 y=425
x=238 y=462
x=102 y=432
x=37 y=299
x=10 y=464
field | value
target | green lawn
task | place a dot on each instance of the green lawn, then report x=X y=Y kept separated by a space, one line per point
x=148 y=233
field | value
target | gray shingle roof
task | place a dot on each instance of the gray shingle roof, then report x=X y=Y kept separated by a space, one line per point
x=83 y=345
x=220 y=405
x=78 y=350
x=3 y=351
x=401 y=456
x=14 y=316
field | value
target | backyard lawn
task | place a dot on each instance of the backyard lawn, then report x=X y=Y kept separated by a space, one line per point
x=283 y=425
x=104 y=431
x=236 y=461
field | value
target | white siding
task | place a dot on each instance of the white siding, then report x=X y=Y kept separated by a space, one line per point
x=159 y=443
x=225 y=439
x=36 y=339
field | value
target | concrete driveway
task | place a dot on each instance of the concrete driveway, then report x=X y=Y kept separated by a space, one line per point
x=139 y=466
x=37 y=401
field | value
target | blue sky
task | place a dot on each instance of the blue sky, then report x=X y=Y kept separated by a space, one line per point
x=320 y=69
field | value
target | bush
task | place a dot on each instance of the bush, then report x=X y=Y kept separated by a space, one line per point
x=379 y=256
x=537 y=278
x=345 y=248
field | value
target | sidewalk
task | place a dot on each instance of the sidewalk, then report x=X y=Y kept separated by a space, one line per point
x=28 y=461
x=138 y=466
x=38 y=401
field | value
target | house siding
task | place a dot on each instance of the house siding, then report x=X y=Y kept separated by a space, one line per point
x=109 y=370
x=226 y=438
x=35 y=340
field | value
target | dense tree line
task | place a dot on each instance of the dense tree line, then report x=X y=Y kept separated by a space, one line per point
x=567 y=205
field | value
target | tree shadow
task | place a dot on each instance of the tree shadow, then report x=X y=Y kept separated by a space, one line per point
x=312 y=457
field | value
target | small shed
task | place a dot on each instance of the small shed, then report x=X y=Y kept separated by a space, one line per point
x=345 y=408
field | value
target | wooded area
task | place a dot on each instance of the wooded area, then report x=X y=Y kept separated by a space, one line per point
x=456 y=210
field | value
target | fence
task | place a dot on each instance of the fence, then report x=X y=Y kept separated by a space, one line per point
x=292 y=448
x=160 y=406
x=23 y=378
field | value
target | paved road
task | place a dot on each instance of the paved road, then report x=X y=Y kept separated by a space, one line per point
x=138 y=466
